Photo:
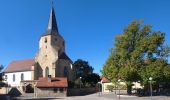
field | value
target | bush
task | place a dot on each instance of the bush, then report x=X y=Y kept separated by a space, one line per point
x=110 y=87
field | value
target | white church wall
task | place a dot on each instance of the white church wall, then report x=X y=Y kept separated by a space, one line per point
x=27 y=76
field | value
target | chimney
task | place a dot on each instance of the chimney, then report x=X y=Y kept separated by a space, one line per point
x=49 y=78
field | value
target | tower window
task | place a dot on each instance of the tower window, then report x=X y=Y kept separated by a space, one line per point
x=45 y=40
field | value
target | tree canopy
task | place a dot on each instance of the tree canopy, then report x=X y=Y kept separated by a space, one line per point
x=85 y=71
x=138 y=53
x=82 y=68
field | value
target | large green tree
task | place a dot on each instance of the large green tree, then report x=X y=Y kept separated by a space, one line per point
x=82 y=68
x=135 y=54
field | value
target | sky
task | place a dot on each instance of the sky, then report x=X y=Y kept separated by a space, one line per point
x=88 y=26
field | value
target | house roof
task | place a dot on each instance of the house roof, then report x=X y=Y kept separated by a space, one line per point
x=20 y=65
x=105 y=80
x=55 y=82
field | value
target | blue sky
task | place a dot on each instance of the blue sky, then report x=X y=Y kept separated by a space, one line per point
x=88 y=26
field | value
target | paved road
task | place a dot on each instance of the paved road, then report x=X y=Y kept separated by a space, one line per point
x=97 y=97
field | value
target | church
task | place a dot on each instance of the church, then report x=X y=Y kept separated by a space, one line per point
x=49 y=71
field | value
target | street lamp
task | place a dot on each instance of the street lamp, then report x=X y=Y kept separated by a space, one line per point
x=99 y=87
x=80 y=83
x=119 y=87
x=35 y=94
x=101 y=82
x=150 y=80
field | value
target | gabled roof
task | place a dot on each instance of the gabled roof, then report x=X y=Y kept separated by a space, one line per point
x=64 y=56
x=55 y=82
x=105 y=80
x=20 y=65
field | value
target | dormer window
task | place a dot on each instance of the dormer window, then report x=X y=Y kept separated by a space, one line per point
x=45 y=41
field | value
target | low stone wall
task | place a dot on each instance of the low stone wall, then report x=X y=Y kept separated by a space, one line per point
x=3 y=90
x=50 y=92
x=80 y=92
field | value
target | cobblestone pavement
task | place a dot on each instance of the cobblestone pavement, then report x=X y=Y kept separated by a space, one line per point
x=106 y=96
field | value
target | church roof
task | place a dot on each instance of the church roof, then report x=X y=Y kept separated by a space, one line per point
x=55 y=82
x=52 y=28
x=20 y=65
x=64 y=56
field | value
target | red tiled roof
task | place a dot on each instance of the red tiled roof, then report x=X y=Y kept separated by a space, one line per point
x=55 y=82
x=20 y=65
x=104 y=79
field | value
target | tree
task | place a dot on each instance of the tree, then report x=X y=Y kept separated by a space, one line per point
x=136 y=45
x=1 y=68
x=1 y=76
x=82 y=68
x=91 y=79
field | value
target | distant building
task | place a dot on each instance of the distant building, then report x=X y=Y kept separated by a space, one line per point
x=105 y=83
x=50 y=63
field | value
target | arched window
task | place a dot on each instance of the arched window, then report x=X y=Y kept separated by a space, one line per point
x=46 y=72
x=13 y=77
x=22 y=77
x=45 y=40
x=65 y=71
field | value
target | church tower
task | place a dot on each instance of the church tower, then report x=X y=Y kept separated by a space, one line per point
x=51 y=57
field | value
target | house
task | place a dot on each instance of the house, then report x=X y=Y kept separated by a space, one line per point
x=18 y=71
x=105 y=83
x=51 y=87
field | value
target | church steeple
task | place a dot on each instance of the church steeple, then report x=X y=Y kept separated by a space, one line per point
x=52 y=28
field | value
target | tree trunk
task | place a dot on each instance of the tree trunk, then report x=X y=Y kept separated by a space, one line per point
x=129 y=89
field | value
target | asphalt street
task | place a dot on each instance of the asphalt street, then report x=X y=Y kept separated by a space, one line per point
x=96 y=96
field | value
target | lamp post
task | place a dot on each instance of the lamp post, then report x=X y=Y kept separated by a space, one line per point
x=150 y=80
x=119 y=87
x=35 y=92
x=99 y=83
x=80 y=83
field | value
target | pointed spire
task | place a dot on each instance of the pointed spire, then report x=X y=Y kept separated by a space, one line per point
x=52 y=28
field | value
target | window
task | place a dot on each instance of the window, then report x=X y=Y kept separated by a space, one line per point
x=45 y=55
x=13 y=77
x=55 y=90
x=45 y=40
x=22 y=77
x=46 y=72
x=5 y=77
x=61 y=90
x=65 y=71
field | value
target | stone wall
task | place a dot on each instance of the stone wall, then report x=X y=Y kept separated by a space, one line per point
x=82 y=91
x=50 y=92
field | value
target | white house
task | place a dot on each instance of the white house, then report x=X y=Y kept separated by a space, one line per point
x=18 y=71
